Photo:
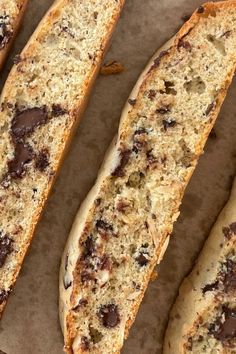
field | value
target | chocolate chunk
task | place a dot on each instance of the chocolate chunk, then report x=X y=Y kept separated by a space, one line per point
x=200 y=10
x=58 y=110
x=163 y=110
x=82 y=303
x=103 y=226
x=109 y=315
x=121 y=206
x=226 y=34
x=22 y=156
x=229 y=279
x=230 y=230
x=157 y=61
x=42 y=162
x=140 y=131
x=152 y=94
x=124 y=159
x=210 y=287
x=142 y=260
x=89 y=247
x=25 y=122
x=84 y=343
x=1 y=352
x=168 y=123
x=210 y=108
x=5 y=247
x=95 y=15
x=4 y=295
x=132 y=101
x=224 y=327
x=184 y=44
x=5 y=34
x=67 y=284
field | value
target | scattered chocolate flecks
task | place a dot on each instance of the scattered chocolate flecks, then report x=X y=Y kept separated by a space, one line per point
x=184 y=44
x=105 y=263
x=58 y=110
x=4 y=295
x=124 y=159
x=5 y=33
x=109 y=315
x=22 y=156
x=169 y=123
x=230 y=230
x=5 y=247
x=157 y=61
x=152 y=94
x=25 y=122
x=89 y=247
x=142 y=260
x=85 y=343
x=224 y=327
x=42 y=160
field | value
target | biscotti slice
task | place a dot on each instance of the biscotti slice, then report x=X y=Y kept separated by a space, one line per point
x=11 y=13
x=41 y=103
x=123 y=227
x=203 y=318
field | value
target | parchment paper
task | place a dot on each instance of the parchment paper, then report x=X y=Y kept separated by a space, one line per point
x=30 y=324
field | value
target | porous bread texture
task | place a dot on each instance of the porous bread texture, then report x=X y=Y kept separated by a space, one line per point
x=41 y=103
x=122 y=229
x=11 y=13
x=200 y=320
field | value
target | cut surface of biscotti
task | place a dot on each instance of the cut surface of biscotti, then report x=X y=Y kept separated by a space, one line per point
x=123 y=227
x=203 y=318
x=41 y=103
x=11 y=12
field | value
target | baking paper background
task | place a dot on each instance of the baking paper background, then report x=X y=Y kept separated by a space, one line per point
x=30 y=323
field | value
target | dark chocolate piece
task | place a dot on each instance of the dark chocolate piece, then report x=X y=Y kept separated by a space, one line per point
x=4 y=295
x=142 y=260
x=229 y=280
x=163 y=110
x=210 y=108
x=224 y=327
x=82 y=303
x=229 y=230
x=157 y=61
x=25 y=122
x=184 y=44
x=67 y=284
x=124 y=159
x=169 y=123
x=200 y=10
x=105 y=263
x=109 y=315
x=42 y=161
x=102 y=226
x=89 y=247
x=5 y=247
x=152 y=94
x=17 y=59
x=22 y=156
x=210 y=287
x=58 y=110
x=86 y=276
x=5 y=34
x=132 y=101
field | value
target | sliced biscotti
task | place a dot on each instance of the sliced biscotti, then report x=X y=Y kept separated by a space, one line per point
x=122 y=229
x=203 y=319
x=11 y=13
x=41 y=103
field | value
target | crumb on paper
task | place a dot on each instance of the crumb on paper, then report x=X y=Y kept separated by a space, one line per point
x=154 y=275
x=112 y=67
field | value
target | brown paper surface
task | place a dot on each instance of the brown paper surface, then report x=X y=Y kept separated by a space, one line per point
x=30 y=323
